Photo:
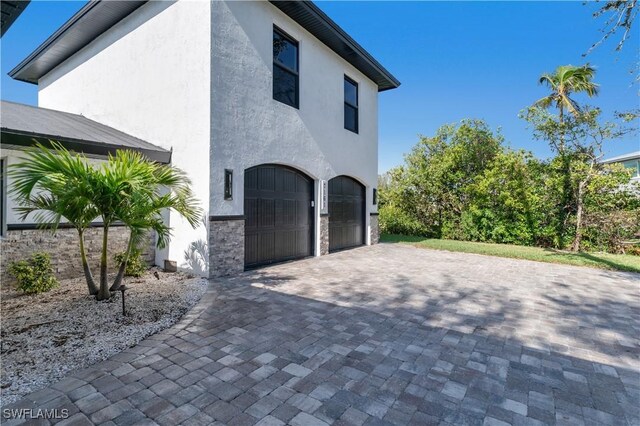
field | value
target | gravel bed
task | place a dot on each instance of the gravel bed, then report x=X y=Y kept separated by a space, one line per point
x=47 y=335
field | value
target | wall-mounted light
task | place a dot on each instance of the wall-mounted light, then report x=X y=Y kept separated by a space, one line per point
x=375 y=196
x=228 y=184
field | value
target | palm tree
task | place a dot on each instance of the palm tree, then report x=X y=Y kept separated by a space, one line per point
x=163 y=187
x=565 y=81
x=134 y=190
x=54 y=185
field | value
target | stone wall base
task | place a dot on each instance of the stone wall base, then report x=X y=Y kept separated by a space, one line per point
x=63 y=247
x=375 y=229
x=324 y=235
x=226 y=247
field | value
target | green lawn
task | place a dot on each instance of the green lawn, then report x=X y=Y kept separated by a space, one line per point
x=619 y=262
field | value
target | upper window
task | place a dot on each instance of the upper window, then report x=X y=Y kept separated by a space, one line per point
x=285 y=69
x=350 y=104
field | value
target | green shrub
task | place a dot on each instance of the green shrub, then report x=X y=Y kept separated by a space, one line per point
x=612 y=231
x=395 y=221
x=34 y=275
x=136 y=265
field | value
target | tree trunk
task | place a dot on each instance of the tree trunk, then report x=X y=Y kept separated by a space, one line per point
x=104 y=292
x=91 y=284
x=123 y=266
x=563 y=212
x=565 y=200
x=578 y=238
x=561 y=119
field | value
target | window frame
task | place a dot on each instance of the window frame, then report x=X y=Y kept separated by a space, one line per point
x=347 y=104
x=285 y=68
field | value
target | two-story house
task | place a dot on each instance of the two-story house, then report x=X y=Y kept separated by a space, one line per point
x=270 y=107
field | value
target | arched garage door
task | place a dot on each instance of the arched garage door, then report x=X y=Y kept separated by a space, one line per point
x=346 y=213
x=279 y=215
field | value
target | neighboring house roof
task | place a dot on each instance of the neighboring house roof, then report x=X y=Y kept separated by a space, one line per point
x=9 y=12
x=98 y=16
x=624 y=157
x=21 y=124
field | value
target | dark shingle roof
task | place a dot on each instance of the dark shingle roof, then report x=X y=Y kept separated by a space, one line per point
x=20 y=124
x=98 y=16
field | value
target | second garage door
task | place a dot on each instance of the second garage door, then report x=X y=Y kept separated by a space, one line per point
x=279 y=215
x=346 y=213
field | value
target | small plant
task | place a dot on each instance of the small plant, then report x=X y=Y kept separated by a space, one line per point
x=136 y=265
x=34 y=275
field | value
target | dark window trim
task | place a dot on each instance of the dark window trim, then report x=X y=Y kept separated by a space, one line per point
x=295 y=73
x=347 y=103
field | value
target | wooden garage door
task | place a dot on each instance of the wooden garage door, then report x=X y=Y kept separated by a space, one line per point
x=279 y=215
x=346 y=213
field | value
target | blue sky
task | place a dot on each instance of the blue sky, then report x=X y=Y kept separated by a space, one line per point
x=455 y=60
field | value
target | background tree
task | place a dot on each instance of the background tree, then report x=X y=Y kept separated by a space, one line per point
x=582 y=138
x=430 y=192
x=620 y=17
x=507 y=201
x=564 y=82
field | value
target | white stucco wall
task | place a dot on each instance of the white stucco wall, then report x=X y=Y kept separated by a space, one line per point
x=149 y=76
x=249 y=127
x=196 y=76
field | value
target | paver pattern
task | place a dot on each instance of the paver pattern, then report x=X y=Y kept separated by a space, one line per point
x=388 y=334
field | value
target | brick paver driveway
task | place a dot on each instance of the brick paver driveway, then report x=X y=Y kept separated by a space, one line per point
x=382 y=335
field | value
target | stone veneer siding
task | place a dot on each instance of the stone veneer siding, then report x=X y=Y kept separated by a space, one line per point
x=63 y=247
x=324 y=234
x=226 y=246
x=375 y=229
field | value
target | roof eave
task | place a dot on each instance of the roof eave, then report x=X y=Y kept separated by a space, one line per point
x=34 y=67
x=26 y=139
x=22 y=68
x=11 y=10
x=390 y=81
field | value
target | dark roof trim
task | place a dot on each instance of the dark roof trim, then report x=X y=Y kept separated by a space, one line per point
x=98 y=16
x=314 y=20
x=10 y=10
x=92 y=20
x=27 y=139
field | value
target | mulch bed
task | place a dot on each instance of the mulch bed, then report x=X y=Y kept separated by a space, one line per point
x=45 y=336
